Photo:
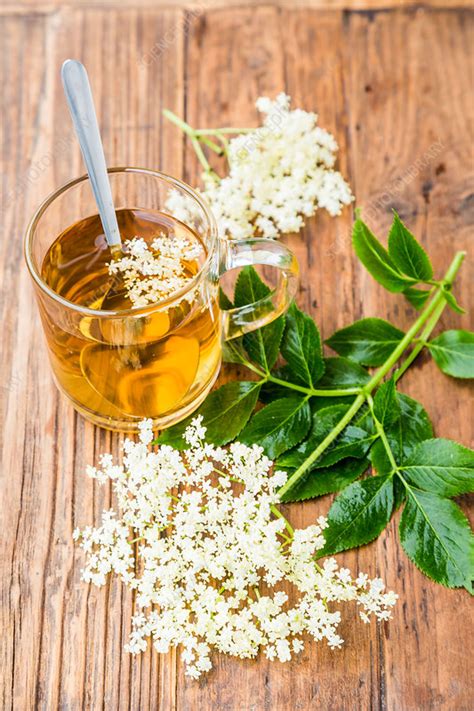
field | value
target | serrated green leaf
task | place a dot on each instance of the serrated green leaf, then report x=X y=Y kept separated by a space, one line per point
x=379 y=458
x=453 y=352
x=359 y=514
x=233 y=352
x=352 y=442
x=365 y=420
x=407 y=253
x=382 y=465
x=386 y=404
x=224 y=302
x=441 y=466
x=376 y=259
x=412 y=427
x=436 y=536
x=341 y=373
x=452 y=302
x=399 y=493
x=369 y=341
x=326 y=480
x=416 y=297
x=301 y=347
x=262 y=345
x=323 y=422
x=225 y=412
x=278 y=426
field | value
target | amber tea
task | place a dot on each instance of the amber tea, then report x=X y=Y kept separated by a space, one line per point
x=131 y=365
x=138 y=333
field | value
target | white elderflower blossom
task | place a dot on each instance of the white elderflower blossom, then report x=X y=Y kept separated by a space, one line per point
x=278 y=175
x=196 y=534
x=153 y=272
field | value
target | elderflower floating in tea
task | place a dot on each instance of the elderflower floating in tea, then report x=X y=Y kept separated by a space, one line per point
x=155 y=271
x=133 y=365
x=199 y=538
x=278 y=174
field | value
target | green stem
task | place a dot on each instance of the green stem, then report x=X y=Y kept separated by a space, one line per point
x=382 y=435
x=200 y=154
x=430 y=326
x=378 y=376
x=256 y=370
x=189 y=130
x=421 y=341
x=213 y=146
x=312 y=391
x=354 y=408
x=276 y=512
x=225 y=143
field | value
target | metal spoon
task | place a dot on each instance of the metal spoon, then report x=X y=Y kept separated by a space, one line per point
x=81 y=105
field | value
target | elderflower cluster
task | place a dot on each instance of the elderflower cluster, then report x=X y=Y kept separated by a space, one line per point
x=153 y=272
x=199 y=538
x=279 y=174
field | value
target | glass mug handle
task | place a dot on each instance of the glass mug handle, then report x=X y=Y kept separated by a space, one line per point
x=241 y=253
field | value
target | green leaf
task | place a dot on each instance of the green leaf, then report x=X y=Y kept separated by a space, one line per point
x=379 y=458
x=369 y=341
x=323 y=422
x=233 y=352
x=441 y=466
x=452 y=302
x=342 y=373
x=399 y=493
x=326 y=480
x=225 y=412
x=407 y=253
x=301 y=347
x=436 y=536
x=416 y=297
x=364 y=419
x=321 y=403
x=224 y=302
x=412 y=427
x=453 y=352
x=381 y=463
x=274 y=391
x=278 y=426
x=262 y=345
x=352 y=442
x=359 y=514
x=386 y=404
x=376 y=259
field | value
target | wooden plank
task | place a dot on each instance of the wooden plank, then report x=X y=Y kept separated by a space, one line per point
x=409 y=108
x=65 y=647
x=27 y=6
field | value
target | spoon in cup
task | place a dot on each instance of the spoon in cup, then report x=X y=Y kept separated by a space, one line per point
x=81 y=106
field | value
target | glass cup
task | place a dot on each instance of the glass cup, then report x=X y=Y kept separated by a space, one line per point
x=158 y=361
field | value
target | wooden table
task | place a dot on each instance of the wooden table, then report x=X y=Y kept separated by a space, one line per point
x=393 y=83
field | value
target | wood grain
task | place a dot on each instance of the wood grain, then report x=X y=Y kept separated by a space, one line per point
x=394 y=89
x=23 y=6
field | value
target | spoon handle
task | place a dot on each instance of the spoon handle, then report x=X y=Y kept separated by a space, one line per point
x=81 y=105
